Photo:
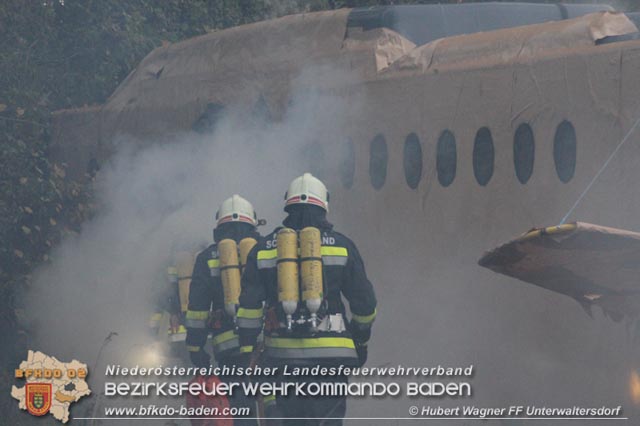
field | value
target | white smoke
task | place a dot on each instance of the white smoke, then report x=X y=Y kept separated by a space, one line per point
x=102 y=281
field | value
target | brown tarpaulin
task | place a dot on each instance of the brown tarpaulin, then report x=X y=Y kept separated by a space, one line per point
x=271 y=61
x=593 y=264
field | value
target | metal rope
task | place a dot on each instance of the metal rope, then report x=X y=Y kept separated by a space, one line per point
x=604 y=166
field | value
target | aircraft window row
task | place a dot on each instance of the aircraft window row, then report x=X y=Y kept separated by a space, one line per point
x=483 y=159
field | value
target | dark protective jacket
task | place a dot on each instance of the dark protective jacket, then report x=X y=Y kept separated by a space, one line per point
x=206 y=312
x=343 y=275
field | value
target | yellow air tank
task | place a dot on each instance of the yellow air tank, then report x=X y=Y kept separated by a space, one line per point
x=184 y=261
x=311 y=271
x=230 y=275
x=246 y=244
x=288 y=289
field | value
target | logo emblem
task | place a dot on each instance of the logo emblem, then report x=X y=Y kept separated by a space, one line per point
x=51 y=386
x=38 y=398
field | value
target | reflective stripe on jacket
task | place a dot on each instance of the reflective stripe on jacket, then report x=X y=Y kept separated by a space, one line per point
x=343 y=275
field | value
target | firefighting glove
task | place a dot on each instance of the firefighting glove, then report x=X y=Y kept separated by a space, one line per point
x=363 y=352
x=200 y=359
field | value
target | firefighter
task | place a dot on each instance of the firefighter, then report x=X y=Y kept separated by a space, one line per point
x=170 y=300
x=293 y=285
x=215 y=290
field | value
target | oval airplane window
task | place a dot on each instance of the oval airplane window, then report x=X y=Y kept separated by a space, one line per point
x=348 y=165
x=316 y=160
x=412 y=160
x=209 y=119
x=524 y=150
x=378 y=161
x=446 y=158
x=483 y=156
x=564 y=151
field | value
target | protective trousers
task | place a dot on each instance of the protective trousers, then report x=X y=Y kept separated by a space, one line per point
x=313 y=410
x=239 y=399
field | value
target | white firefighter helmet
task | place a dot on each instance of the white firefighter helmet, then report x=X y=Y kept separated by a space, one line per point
x=236 y=209
x=307 y=189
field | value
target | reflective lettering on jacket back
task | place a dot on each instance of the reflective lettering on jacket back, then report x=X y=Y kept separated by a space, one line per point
x=214 y=263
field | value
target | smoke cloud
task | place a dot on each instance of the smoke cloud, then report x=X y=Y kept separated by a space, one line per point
x=102 y=280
